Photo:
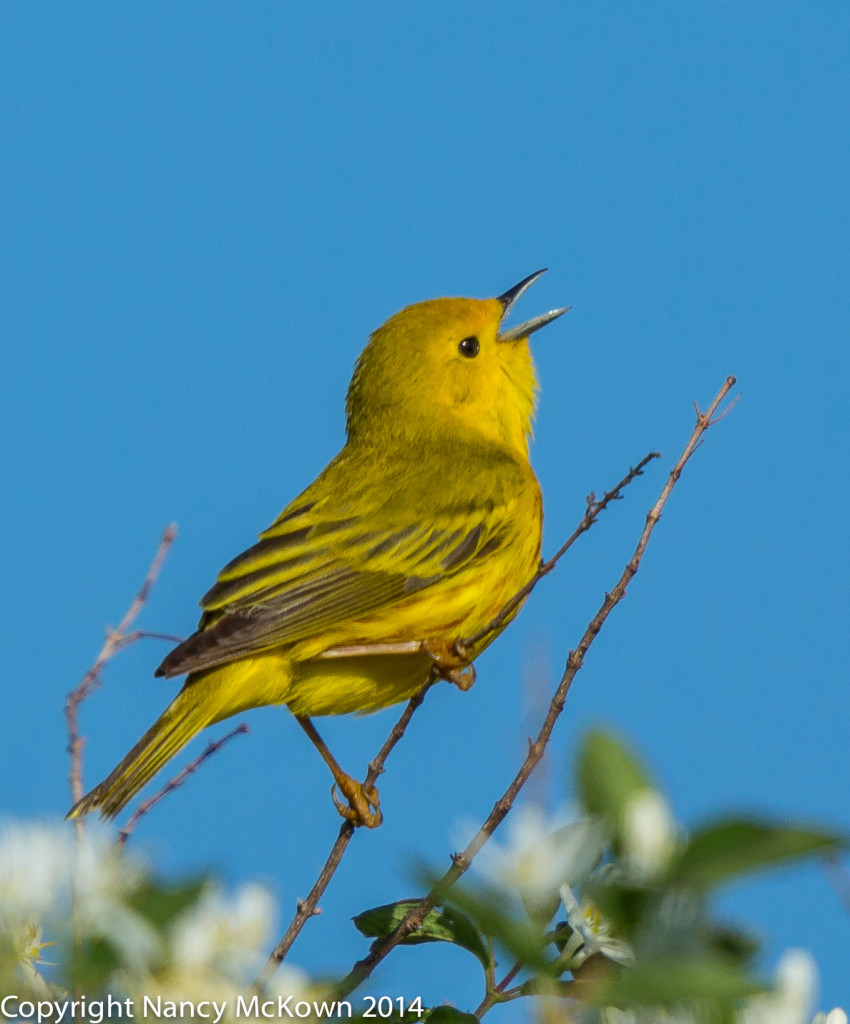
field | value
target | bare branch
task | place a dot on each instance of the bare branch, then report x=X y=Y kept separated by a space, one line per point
x=176 y=782
x=116 y=639
x=307 y=908
x=461 y=862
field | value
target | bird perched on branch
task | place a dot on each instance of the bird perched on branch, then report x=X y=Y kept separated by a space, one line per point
x=410 y=542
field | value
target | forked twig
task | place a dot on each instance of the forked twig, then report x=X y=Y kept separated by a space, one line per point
x=461 y=862
x=116 y=639
x=176 y=782
x=307 y=908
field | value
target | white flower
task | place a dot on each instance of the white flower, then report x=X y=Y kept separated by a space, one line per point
x=220 y=935
x=539 y=857
x=791 y=1000
x=611 y=1015
x=25 y=946
x=28 y=945
x=46 y=873
x=88 y=885
x=648 y=836
x=179 y=982
x=835 y=1016
x=289 y=980
x=103 y=878
x=34 y=863
x=216 y=948
x=591 y=933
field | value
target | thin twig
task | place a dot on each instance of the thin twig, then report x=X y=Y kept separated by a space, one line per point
x=591 y=514
x=116 y=639
x=176 y=782
x=461 y=862
x=307 y=908
x=143 y=634
x=548 y=987
x=498 y=993
x=509 y=977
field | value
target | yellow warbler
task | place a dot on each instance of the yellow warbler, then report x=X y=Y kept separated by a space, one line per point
x=412 y=539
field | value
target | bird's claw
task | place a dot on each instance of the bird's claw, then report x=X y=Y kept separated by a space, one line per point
x=452 y=662
x=463 y=678
x=362 y=806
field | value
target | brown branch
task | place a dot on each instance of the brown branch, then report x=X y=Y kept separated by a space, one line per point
x=116 y=639
x=497 y=993
x=176 y=782
x=307 y=908
x=461 y=862
x=143 y=634
x=591 y=514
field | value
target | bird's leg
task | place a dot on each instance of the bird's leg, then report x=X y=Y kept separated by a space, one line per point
x=363 y=804
x=452 y=661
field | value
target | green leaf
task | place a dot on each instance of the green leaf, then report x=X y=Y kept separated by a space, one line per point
x=160 y=904
x=465 y=934
x=609 y=775
x=92 y=965
x=440 y=925
x=733 y=944
x=671 y=982
x=493 y=915
x=443 y=1014
x=448 y=1015
x=727 y=849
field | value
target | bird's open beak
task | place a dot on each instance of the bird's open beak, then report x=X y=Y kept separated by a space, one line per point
x=509 y=299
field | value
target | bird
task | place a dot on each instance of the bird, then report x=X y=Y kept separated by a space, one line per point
x=369 y=583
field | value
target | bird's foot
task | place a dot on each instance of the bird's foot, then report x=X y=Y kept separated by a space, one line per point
x=362 y=807
x=452 y=662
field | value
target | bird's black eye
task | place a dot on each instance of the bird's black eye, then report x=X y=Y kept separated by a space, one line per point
x=469 y=347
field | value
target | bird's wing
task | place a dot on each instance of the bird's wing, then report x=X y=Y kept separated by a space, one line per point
x=326 y=562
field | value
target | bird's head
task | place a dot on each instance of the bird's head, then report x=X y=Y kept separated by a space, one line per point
x=448 y=364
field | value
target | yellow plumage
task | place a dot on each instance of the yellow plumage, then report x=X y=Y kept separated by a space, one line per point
x=415 y=536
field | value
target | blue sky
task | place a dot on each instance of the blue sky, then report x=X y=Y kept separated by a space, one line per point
x=205 y=210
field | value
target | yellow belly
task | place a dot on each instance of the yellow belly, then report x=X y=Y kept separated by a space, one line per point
x=338 y=686
x=320 y=686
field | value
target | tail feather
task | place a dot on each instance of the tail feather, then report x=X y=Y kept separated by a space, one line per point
x=180 y=721
x=208 y=696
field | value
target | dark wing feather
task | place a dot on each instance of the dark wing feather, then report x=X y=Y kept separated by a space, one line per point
x=312 y=571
